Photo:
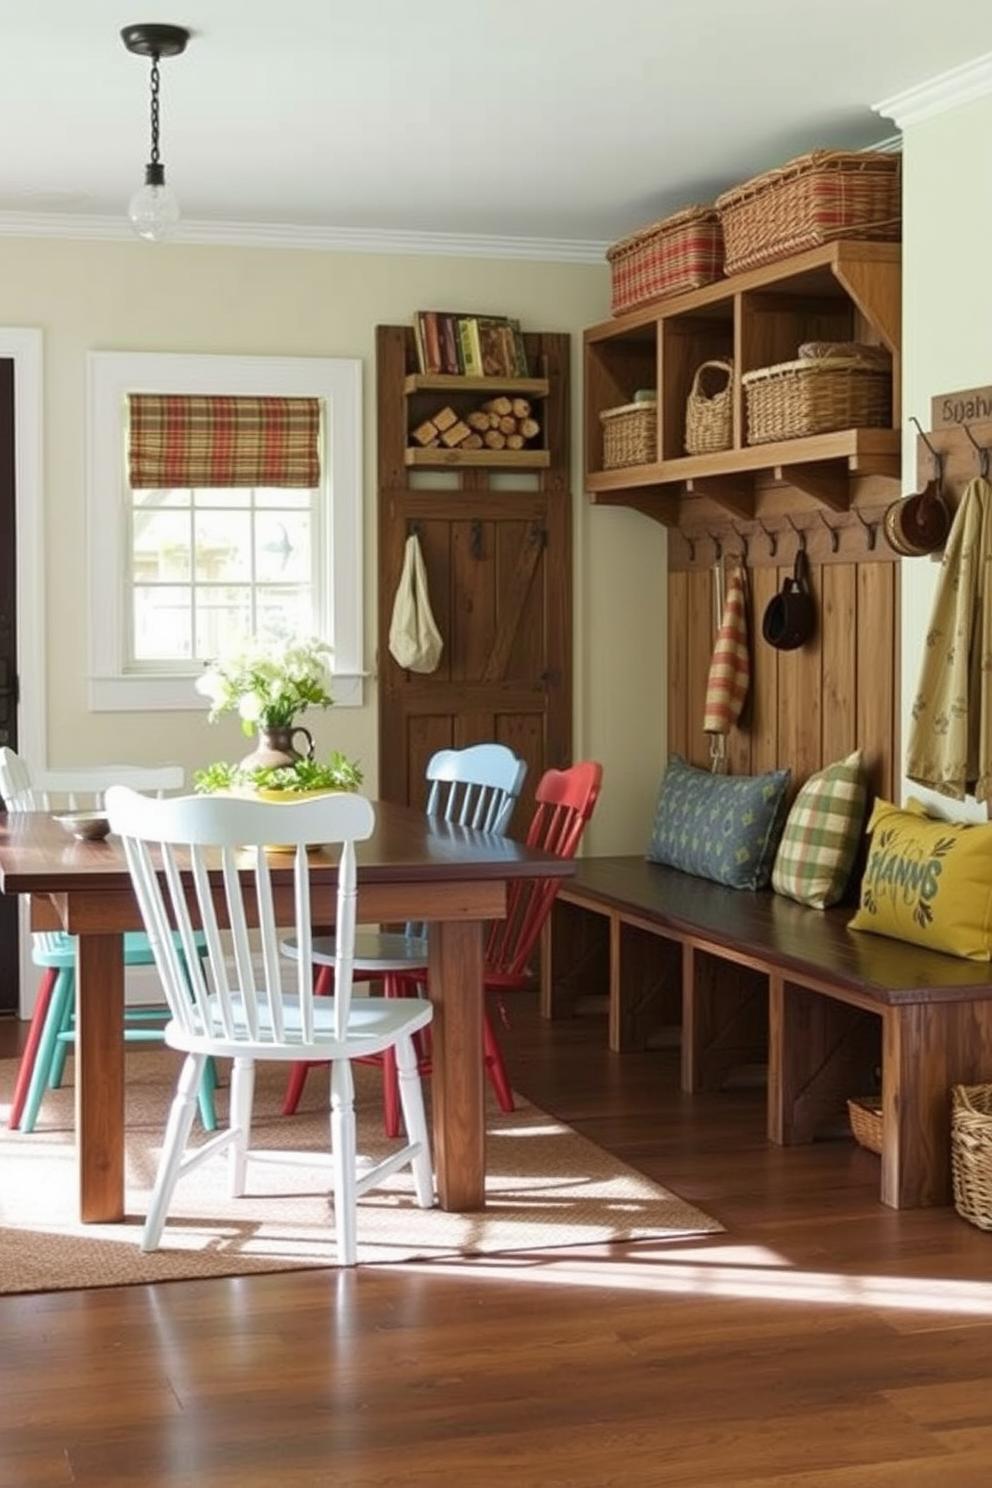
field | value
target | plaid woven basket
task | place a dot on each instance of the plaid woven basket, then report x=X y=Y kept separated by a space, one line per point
x=677 y=254
x=811 y=200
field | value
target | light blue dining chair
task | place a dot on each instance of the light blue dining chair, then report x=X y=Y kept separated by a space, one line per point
x=52 y=1030
x=478 y=787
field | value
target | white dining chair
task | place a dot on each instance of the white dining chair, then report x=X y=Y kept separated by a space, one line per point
x=52 y=1030
x=245 y=1000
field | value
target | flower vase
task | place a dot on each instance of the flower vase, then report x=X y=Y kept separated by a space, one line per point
x=275 y=747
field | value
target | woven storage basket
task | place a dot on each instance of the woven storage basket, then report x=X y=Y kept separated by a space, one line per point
x=630 y=435
x=679 y=253
x=865 y=1115
x=814 y=396
x=971 y=1153
x=808 y=201
x=709 y=409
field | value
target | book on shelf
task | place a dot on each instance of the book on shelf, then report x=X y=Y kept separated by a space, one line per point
x=455 y=344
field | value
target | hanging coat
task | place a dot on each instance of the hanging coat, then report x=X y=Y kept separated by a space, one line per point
x=950 y=736
x=730 y=666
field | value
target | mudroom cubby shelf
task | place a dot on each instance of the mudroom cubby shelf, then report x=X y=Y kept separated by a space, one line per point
x=840 y=292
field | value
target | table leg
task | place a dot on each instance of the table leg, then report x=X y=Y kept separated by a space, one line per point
x=100 y=1077
x=455 y=981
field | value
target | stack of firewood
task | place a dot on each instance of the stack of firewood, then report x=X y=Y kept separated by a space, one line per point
x=498 y=424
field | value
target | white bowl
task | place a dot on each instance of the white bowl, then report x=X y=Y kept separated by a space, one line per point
x=88 y=826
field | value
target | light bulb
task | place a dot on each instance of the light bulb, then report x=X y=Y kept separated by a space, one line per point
x=153 y=210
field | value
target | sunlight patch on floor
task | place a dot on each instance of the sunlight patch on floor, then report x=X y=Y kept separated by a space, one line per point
x=747 y=1273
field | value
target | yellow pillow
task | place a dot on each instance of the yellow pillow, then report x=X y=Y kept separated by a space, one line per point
x=928 y=881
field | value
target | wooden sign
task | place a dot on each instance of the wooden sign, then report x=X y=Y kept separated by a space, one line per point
x=969 y=406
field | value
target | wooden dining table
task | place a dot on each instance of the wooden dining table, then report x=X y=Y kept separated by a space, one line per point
x=412 y=868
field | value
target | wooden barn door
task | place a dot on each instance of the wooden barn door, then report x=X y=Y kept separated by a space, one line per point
x=497 y=547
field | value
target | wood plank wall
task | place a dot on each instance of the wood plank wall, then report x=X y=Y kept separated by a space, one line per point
x=807 y=707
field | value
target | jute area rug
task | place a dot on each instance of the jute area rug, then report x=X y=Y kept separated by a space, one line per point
x=547 y=1187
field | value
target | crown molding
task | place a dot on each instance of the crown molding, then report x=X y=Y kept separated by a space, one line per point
x=948 y=91
x=312 y=239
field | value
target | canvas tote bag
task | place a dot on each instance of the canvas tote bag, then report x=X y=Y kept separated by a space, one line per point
x=414 y=639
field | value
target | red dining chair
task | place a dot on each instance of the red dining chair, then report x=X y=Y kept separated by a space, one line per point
x=565 y=800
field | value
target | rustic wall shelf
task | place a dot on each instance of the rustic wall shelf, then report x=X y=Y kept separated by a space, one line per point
x=840 y=292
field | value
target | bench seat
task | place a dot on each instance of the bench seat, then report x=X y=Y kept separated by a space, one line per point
x=756 y=978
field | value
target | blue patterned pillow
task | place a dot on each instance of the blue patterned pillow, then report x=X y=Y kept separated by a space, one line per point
x=724 y=827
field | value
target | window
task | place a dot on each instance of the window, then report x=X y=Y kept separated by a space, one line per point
x=179 y=572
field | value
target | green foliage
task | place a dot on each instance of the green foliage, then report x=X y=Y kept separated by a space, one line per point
x=337 y=772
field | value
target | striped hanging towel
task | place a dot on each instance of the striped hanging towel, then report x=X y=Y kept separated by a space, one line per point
x=730 y=666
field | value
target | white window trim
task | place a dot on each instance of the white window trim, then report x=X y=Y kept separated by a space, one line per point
x=110 y=377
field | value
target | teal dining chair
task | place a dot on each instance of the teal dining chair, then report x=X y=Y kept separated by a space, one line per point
x=51 y=1033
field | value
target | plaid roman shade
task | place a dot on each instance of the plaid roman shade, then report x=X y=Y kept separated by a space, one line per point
x=186 y=441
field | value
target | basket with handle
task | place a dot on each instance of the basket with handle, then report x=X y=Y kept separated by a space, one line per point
x=709 y=410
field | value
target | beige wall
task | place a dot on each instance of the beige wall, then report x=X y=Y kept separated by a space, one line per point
x=947 y=319
x=123 y=296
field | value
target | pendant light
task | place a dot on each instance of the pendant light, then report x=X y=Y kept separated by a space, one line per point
x=153 y=210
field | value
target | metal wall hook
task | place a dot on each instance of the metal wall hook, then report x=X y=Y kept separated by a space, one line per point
x=834 y=534
x=799 y=531
x=935 y=455
x=717 y=542
x=981 y=452
x=871 y=529
x=690 y=543
x=743 y=541
x=772 y=535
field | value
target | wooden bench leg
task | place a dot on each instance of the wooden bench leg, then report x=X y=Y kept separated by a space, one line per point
x=928 y=1047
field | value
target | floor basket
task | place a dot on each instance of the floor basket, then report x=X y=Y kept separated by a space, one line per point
x=971 y=1153
x=815 y=396
x=865 y=1115
x=808 y=201
x=679 y=253
x=630 y=435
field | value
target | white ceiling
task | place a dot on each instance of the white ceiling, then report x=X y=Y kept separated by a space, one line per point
x=565 y=121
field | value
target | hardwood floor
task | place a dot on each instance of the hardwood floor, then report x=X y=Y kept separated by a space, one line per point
x=823 y=1340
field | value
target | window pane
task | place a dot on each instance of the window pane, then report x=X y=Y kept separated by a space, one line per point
x=154 y=500
x=162 y=623
x=223 y=619
x=282 y=611
x=161 y=546
x=223 y=546
x=283 y=547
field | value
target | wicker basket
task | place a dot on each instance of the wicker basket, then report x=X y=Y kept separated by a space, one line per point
x=808 y=201
x=865 y=1115
x=971 y=1153
x=630 y=435
x=679 y=253
x=814 y=396
x=709 y=409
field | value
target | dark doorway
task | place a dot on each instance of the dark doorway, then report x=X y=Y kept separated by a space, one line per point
x=8 y=657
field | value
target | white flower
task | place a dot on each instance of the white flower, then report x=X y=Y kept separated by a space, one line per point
x=269 y=682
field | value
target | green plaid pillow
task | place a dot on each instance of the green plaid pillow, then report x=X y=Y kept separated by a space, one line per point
x=820 y=841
